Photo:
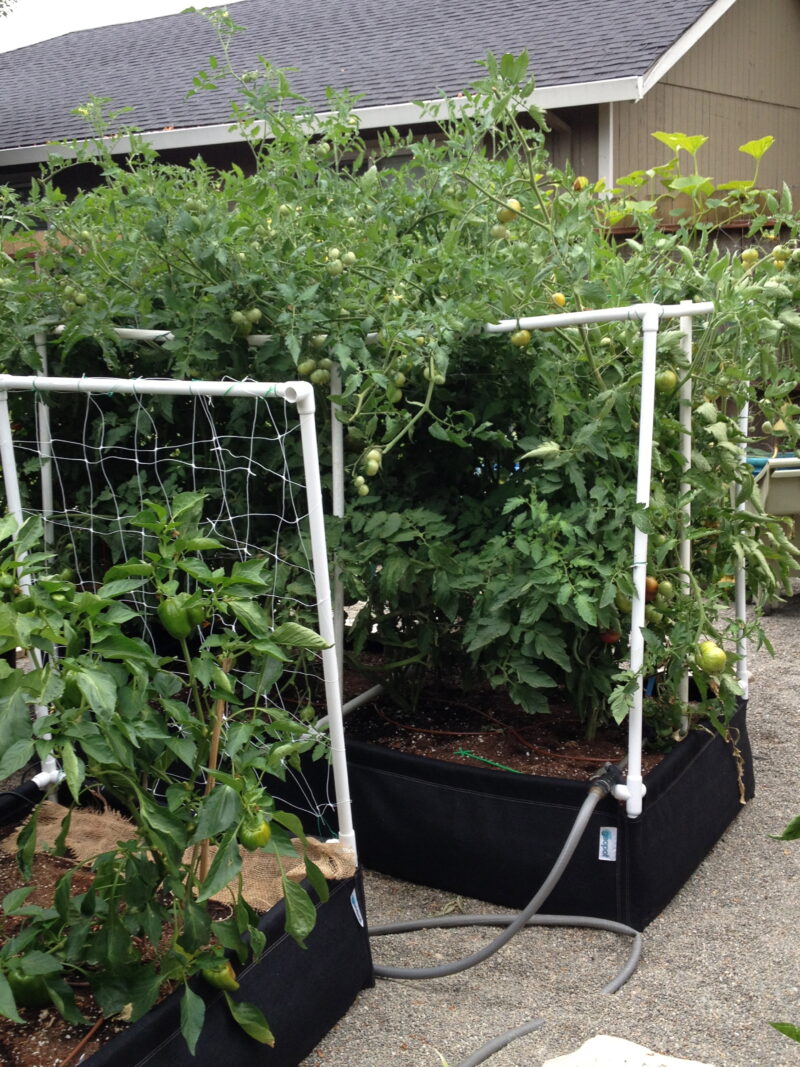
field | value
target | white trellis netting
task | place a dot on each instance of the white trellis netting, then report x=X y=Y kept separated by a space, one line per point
x=649 y=316
x=120 y=472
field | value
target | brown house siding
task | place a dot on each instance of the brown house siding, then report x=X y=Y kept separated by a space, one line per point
x=739 y=83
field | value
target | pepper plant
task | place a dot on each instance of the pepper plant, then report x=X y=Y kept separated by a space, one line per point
x=488 y=527
x=181 y=740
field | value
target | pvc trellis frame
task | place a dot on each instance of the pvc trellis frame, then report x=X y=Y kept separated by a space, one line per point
x=649 y=316
x=301 y=394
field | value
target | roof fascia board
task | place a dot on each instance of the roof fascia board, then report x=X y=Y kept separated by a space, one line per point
x=371 y=118
x=688 y=40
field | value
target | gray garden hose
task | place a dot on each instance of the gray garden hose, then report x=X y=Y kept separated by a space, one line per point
x=600 y=787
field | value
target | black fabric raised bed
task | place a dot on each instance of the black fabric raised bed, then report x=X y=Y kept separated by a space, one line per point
x=302 y=992
x=494 y=835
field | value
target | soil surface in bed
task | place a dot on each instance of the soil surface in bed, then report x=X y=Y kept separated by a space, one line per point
x=483 y=728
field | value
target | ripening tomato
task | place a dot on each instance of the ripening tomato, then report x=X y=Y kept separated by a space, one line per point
x=711 y=658
x=609 y=637
x=510 y=211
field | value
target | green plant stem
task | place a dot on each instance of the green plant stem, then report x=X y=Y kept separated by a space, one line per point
x=198 y=704
x=501 y=202
x=213 y=756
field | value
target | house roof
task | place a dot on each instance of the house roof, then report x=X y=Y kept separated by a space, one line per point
x=391 y=52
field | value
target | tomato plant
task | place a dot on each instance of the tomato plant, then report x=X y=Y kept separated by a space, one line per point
x=490 y=504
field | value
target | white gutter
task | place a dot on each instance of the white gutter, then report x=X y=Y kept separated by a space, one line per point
x=546 y=97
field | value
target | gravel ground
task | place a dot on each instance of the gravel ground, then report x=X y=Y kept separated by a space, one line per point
x=720 y=962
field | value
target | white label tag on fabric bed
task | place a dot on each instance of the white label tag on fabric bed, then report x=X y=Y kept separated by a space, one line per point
x=608 y=843
x=356 y=908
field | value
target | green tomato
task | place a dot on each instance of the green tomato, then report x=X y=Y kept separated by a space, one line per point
x=711 y=658
x=666 y=382
x=334 y=267
x=623 y=603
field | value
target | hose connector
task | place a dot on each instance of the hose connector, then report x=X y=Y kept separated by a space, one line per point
x=607 y=778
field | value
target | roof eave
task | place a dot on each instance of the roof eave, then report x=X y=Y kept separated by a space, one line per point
x=409 y=114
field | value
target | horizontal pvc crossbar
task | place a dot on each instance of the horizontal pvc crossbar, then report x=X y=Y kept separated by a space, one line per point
x=632 y=313
x=300 y=393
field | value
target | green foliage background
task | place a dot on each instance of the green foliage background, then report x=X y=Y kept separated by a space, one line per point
x=386 y=262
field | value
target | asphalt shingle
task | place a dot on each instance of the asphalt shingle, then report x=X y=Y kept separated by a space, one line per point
x=388 y=51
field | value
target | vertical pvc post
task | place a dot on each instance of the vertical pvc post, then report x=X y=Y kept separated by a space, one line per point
x=337 y=486
x=741 y=575
x=330 y=659
x=634 y=789
x=49 y=773
x=10 y=480
x=685 y=401
x=45 y=445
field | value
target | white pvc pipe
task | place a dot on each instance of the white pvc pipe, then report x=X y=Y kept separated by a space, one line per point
x=299 y=393
x=131 y=334
x=583 y=318
x=355 y=702
x=45 y=446
x=13 y=499
x=338 y=505
x=685 y=416
x=741 y=575
x=330 y=658
x=49 y=768
x=633 y=790
x=781 y=462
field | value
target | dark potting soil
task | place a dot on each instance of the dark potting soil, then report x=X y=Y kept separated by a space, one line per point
x=483 y=727
x=47 y=1039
